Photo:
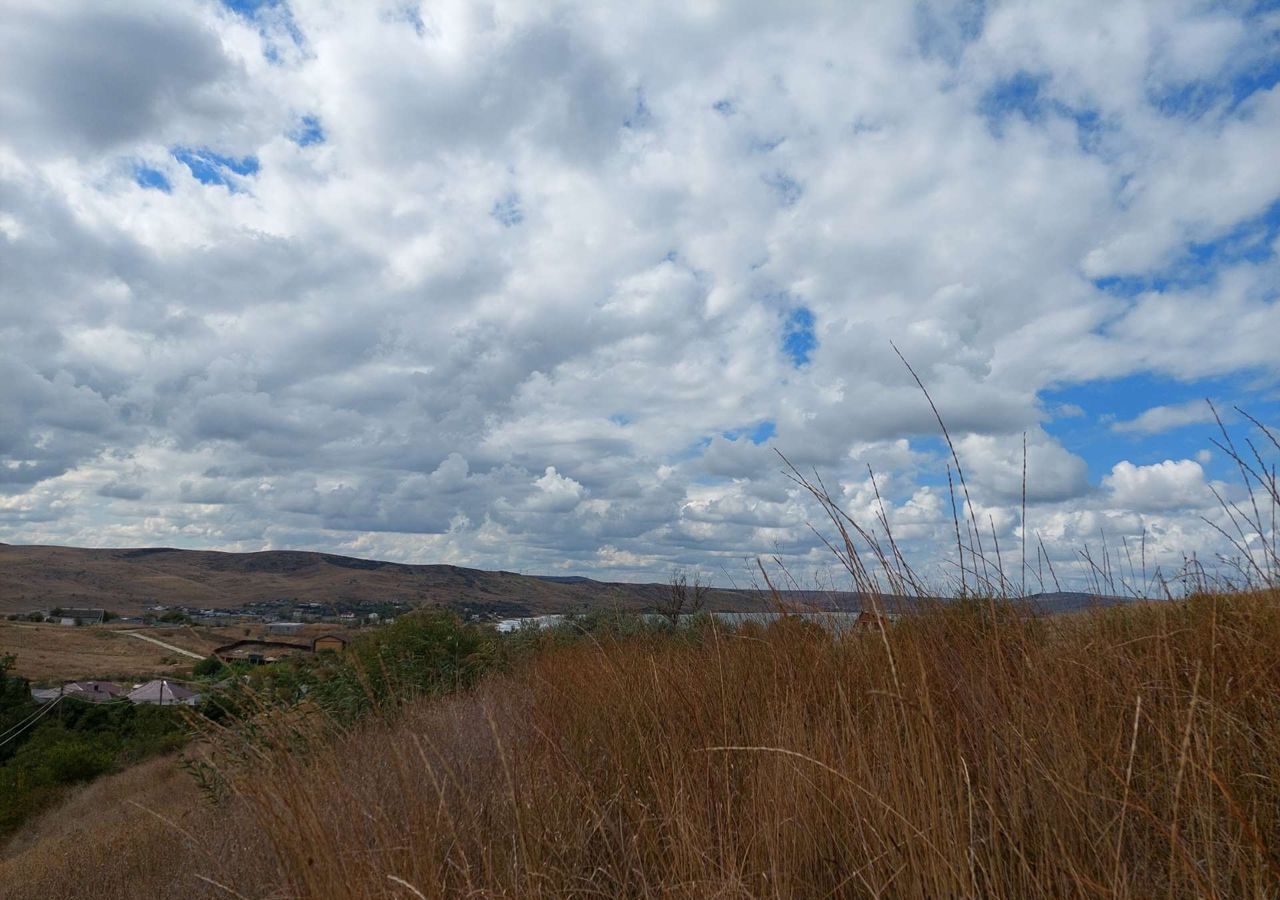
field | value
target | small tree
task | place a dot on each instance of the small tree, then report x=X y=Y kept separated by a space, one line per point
x=681 y=597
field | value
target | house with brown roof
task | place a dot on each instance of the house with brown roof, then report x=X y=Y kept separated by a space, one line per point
x=258 y=651
x=334 y=642
x=873 y=620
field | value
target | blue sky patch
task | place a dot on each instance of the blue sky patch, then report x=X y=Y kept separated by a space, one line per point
x=756 y=434
x=1244 y=78
x=641 y=116
x=1186 y=101
x=249 y=8
x=944 y=35
x=1249 y=241
x=507 y=210
x=1254 y=79
x=1090 y=127
x=798 y=337
x=788 y=190
x=154 y=179
x=1025 y=95
x=208 y=167
x=268 y=13
x=411 y=15
x=308 y=132
x=1018 y=95
x=1094 y=437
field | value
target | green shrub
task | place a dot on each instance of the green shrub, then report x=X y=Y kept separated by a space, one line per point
x=76 y=742
x=73 y=759
x=428 y=652
x=209 y=667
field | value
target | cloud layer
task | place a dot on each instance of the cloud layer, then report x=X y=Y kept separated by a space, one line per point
x=543 y=286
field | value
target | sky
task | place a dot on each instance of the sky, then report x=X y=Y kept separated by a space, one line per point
x=549 y=286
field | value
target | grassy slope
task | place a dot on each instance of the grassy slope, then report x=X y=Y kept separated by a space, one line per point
x=1127 y=753
x=144 y=832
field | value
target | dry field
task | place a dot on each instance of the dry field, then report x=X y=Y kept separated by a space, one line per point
x=50 y=653
x=968 y=752
x=60 y=652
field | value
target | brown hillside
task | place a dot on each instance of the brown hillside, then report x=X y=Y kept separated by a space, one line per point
x=127 y=581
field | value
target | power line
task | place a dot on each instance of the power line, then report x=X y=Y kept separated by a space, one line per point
x=13 y=731
x=13 y=728
x=35 y=715
x=113 y=702
x=32 y=720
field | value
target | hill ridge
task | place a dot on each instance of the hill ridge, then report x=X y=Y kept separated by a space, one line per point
x=129 y=579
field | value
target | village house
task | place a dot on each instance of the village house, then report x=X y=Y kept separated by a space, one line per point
x=162 y=692
x=96 y=691
x=258 y=651
x=88 y=691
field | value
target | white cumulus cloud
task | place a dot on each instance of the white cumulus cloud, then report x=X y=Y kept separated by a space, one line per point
x=544 y=285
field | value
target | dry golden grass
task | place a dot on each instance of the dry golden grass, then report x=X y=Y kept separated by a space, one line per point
x=142 y=833
x=1133 y=753
x=967 y=752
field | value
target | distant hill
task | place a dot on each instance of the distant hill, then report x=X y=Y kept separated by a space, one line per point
x=1058 y=602
x=128 y=580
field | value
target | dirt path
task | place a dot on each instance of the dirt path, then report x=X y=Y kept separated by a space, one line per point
x=159 y=643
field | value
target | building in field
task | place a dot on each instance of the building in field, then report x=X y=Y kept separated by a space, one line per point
x=285 y=628
x=334 y=642
x=67 y=616
x=258 y=651
x=870 y=620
